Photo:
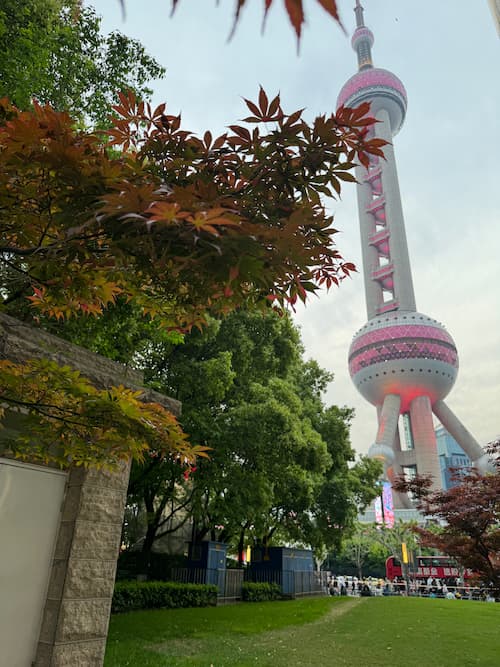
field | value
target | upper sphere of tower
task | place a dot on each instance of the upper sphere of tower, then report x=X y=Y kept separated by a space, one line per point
x=404 y=353
x=381 y=88
x=362 y=33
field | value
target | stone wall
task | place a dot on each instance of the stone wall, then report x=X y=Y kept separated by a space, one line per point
x=76 y=616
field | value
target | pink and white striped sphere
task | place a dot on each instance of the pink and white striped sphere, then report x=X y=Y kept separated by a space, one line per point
x=404 y=353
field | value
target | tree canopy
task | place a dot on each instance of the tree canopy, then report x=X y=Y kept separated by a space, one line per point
x=280 y=465
x=175 y=225
x=53 y=51
x=146 y=216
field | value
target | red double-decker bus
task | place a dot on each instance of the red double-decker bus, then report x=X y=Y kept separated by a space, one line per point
x=440 y=567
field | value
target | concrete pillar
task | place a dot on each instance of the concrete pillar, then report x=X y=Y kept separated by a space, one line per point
x=388 y=421
x=76 y=615
x=424 y=440
x=387 y=426
x=400 y=500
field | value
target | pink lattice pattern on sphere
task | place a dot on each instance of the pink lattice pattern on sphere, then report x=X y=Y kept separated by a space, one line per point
x=403 y=349
x=369 y=78
x=400 y=331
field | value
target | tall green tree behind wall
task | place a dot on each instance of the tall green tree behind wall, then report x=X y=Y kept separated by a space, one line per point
x=281 y=466
x=54 y=51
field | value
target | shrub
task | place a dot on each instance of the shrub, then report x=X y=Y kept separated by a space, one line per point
x=133 y=595
x=260 y=592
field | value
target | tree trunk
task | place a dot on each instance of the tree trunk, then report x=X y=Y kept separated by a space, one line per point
x=149 y=539
x=152 y=524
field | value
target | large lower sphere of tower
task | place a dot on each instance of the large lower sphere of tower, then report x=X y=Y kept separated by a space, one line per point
x=382 y=89
x=404 y=353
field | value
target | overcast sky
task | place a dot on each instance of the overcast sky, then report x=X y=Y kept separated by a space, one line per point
x=447 y=55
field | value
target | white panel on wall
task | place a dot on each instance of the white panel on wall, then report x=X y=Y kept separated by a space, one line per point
x=30 y=505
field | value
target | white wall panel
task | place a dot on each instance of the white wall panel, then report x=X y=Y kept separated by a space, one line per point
x=30 y=505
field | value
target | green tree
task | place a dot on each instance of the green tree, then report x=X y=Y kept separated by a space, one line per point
x=360 y=554
x=357 y=549
x=199 y=375
x=280 y=462
x=53 y=51
x=393 y=538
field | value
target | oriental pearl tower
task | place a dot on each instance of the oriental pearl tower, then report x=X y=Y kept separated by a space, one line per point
x=401 y=361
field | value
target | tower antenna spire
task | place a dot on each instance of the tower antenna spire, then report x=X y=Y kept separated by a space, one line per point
x=358 y=10
x=362 y=40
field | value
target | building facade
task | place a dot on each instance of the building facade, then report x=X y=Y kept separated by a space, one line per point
x=452 y=457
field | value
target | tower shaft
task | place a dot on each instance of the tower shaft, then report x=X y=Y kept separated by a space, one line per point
x=386 y=263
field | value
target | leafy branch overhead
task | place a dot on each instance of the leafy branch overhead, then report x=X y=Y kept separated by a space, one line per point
x=177 y=224
x=87 y=426
x=294 y=10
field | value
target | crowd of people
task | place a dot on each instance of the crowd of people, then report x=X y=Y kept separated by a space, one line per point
x=450 y=589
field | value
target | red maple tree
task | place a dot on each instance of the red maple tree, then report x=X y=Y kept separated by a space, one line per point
x=178 y=225
x=468 y=515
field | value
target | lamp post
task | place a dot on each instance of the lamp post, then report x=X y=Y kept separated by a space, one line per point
x=404 y=560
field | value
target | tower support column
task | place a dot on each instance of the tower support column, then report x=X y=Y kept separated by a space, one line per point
x=388 y=421
x=400 y=498
x=424 y=440
x=382 y=449
x=464 y=437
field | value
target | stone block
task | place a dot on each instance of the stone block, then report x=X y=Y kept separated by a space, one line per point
x=90 y=578
x=19 y=342
x=81 y=620
x=79 y=654
x=43 y=655
x=76 y=615
x=109 y=479
x=71 y=504
x=170 y=404
x=101 y=505
x=97 y=541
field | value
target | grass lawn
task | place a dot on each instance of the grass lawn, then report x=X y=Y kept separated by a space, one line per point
x=366 y=632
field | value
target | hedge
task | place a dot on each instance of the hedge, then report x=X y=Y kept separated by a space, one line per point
x=260 y=592
x=133 y=595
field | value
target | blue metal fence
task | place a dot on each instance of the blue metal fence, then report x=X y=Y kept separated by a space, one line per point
x=229 y=582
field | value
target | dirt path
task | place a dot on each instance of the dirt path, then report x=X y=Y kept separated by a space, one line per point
x=310 y=645
x=305 y=645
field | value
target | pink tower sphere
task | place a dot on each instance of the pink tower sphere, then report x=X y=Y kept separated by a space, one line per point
x=362 y=33
x=404 y=353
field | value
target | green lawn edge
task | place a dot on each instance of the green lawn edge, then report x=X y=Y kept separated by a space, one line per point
x=372 y=632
